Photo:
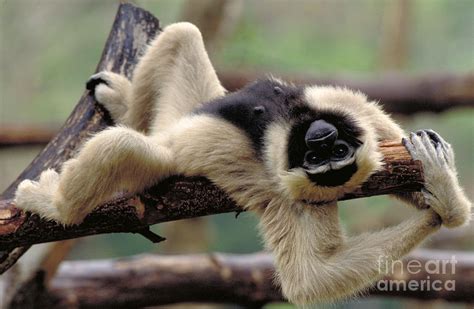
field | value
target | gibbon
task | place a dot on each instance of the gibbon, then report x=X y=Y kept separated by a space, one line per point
x=282 y=151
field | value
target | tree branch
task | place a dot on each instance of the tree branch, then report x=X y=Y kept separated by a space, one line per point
x=180 y=198
x=16 y=135
x=173 y=199
x=132 y=28
x=152 y=280
x=397 y=93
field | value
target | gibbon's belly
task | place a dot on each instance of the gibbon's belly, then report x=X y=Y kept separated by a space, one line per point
x=228 y=158
x=227 y=149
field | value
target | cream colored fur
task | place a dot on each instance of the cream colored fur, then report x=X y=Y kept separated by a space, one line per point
x=314 y=259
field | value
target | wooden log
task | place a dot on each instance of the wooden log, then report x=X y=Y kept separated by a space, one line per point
x=132 y=29
x=180 y=198
x=25 y=135
x=153 y=280
x=397 y=93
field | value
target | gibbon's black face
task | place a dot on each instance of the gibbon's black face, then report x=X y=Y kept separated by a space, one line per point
x=324 y=145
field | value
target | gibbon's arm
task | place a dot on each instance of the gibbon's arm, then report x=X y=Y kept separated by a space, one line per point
x=174 y=77
x=317 y=263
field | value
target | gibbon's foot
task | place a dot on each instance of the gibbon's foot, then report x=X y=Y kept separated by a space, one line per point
x=442 y=191
x=37 y=196
x=112 y=91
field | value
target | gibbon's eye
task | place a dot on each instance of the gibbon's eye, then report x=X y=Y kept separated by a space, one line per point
x=341 y=150
x=312 y=157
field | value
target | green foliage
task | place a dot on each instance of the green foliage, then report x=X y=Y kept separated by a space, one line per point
x=294 y=51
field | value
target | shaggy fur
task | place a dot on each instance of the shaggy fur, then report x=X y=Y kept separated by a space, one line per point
x=242 y=142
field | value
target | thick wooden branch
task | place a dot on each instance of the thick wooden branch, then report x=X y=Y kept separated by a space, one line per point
x=398 y=93
x=132 y=28
x=15 y=135
x=152 y=280
x=180 y=198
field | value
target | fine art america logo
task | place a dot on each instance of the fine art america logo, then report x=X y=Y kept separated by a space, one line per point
x=415 y=275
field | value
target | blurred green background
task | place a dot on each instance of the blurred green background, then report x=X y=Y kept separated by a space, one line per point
x=49 y=48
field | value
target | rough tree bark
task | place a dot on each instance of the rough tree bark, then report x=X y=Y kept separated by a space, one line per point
x=152 y=280
x=179 y=198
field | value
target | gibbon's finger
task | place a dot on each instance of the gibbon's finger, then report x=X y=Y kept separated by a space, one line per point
x=435 y=136
x=420 y=152
x=447 y=148
x=436 y=150
x=408 y=145
x=428 y=142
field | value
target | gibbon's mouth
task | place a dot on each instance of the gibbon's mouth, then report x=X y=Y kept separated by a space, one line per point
x=327 y=165
x=333 y=177
x=332 y=174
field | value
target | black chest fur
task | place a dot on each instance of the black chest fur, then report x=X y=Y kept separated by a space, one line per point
x=253 y=108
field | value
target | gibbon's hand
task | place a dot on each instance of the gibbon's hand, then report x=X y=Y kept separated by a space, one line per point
x=442 y=191
x=112 y=91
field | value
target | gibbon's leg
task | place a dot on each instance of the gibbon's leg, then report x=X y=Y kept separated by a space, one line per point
x=173 y=77
x=316 y=263
x=113 y=91
x=115 y=159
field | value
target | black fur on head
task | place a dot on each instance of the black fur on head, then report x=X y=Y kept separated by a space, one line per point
x=254 y=107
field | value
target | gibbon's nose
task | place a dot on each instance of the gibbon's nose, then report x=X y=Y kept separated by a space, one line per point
x=321 y=136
